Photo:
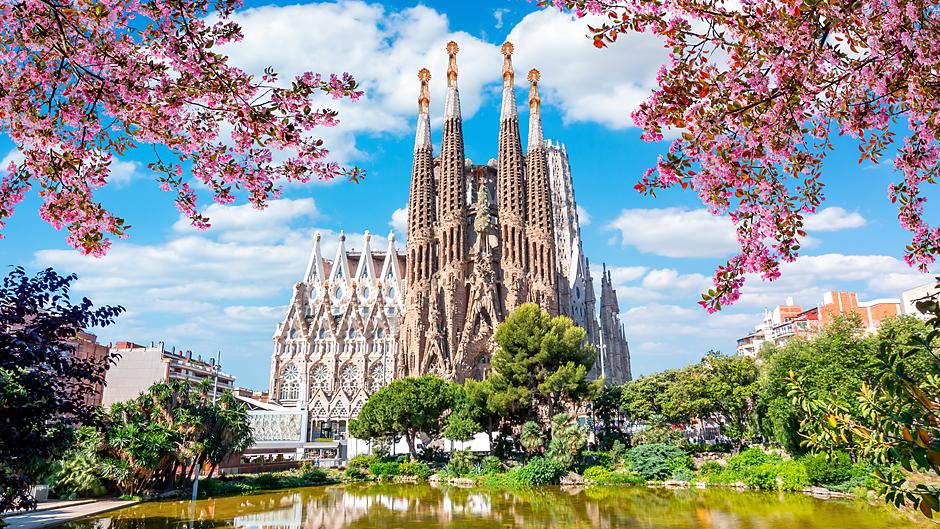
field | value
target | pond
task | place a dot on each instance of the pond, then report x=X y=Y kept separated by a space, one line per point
x=425 y=507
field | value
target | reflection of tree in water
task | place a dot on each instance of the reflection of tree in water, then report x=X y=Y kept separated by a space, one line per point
x=427 y=507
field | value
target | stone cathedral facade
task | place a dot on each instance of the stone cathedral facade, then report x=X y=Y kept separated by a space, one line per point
x=482 y=240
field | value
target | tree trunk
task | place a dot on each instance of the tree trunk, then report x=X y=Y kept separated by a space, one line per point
x=409 y=438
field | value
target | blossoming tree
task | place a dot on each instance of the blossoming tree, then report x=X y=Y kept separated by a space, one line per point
x=82 y=82
x=755 y=90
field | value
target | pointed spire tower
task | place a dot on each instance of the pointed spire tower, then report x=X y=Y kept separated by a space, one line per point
x=511 y=193
x=452 y=236
x=421 y=263
x=540 y=225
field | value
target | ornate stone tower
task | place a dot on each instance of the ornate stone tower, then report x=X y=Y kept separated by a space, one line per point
x=420 y=305
x=540 y=226
x=452 y=235
x=511 y=193
x=615 y=353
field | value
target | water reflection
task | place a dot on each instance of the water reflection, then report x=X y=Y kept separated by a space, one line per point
x=426 y=507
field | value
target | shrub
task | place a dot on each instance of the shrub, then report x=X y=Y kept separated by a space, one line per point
x=540 y=471
x=749 y=458
x=709 y=470
x=625 y=478
x=833 y=470
x=652 y=461
x=76 y=476
x=792 y=475
x=618 y=451
x=596 y=474
x=683 y=474
x=362 y=461
x=602 y=459
x=660 y=434
x=385 y=469
x=356 y=474
x=461 y=463
x=491 y=465
x=418 y=469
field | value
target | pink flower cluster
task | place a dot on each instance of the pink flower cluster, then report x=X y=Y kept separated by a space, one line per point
x=757 y=88
x=81 y=82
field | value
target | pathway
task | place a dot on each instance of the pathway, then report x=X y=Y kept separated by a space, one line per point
x=62 y=512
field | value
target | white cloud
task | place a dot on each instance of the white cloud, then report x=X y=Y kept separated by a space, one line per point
x=244 y=223
x=399 y=222
x=383 y=49
x=584 y=218
x=588 y=84
x=14 y=156
x=834 y=219
x=498 y=15
x=676 y=232
x=682 y=232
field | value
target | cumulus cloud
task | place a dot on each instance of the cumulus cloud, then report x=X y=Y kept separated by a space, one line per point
x=683 y=232
x=588 y=84
x=399 y=222
x=584 y=218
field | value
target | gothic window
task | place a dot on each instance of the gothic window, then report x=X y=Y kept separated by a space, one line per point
x=366 y=291
x=319 y=377
x=380 y=333
x=377 y=377
x=338 y=293
x=290 y=373
x=322 y=334
x=293 y=333
x=313 y=293
x=318 y=410
x=339 y=410
x=351 y=333
x=391 y=293
x=350 y=377
x=290 y=391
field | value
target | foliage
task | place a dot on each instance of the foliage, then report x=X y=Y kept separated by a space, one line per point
x=895 y=420
x=490 y=465
x=249 y=483
x=755 y=468
x=418 y=469
x=618 y=452
x=461 y=464
x=540 y=363
x=406 y=407
x=601 y=459
x=568 y=439
x=540 y=471
x=837 y=362
x=659 y=433
x=597 y=474
x=605 y=416
x=356 y=474
x=753 y=130
x=76 y=475
x=701 y=448
x=99 y=79
x=42 y=381
x=362 y=461
x=654 y=461
x=624 y=478
x=531 y=437
x=167 y=434
x=385 y=469
x=828 y=470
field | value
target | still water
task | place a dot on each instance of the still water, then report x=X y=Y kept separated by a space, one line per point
x=425 y=507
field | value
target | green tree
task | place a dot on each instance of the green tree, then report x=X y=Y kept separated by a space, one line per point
x=541 y=364
x=407 y=408
x=531 y=438
x=837 y=362
x=568 y=440
x=892 y=420
x=42 y=383
x=606 y=414
x=727 y=391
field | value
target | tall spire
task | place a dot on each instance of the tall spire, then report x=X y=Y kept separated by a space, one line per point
x=536 y=139
x=540 y=225
x=511 y=193
x=423 y=134
x=509 y=97
x=452 y=103
x=452 y=224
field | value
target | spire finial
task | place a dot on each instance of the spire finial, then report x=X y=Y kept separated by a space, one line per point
x=368 y=236
x=452 y=50
x=424 y=96
x=508 y=74
x=316 y=236
x=534 y=99
x=342 y=235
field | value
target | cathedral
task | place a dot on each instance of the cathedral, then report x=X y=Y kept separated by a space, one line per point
x=481 y=240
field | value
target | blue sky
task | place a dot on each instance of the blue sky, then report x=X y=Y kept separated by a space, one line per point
x=225 y=289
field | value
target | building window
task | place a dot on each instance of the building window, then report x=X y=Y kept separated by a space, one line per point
x=319 y=377
x=290 y=373
x=350 y=377
x=290 y=391
x=377 y=377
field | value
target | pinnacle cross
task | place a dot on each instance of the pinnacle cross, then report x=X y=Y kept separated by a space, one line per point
x=508 y=74
x=452 y=50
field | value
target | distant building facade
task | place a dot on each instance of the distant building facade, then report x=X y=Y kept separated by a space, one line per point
x=789 y=321
x=910 y=297
x=89 y=350
x=482 y=240
x=137 y=367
